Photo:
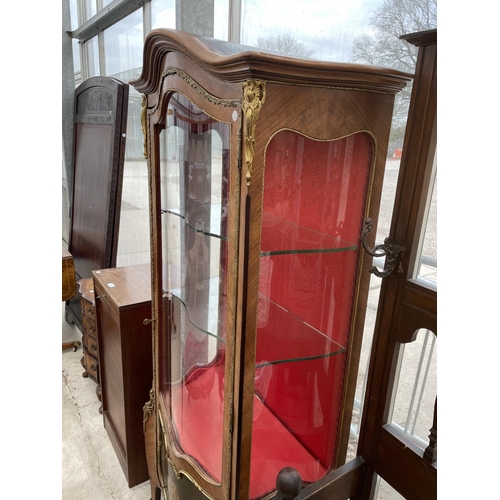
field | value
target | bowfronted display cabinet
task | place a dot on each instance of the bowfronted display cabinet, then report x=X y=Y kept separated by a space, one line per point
x=263 y=170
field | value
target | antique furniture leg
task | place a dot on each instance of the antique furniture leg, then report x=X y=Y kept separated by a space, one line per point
x=68 y=289
x=71 y=345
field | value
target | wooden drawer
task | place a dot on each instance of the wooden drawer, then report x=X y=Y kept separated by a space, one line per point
x=91 y=365
x=88 y=309
x=89 y=326
x=90 y=343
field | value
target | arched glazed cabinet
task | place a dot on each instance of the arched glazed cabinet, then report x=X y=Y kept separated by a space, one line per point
x=263 y=169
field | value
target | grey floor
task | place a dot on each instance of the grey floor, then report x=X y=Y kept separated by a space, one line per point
x=90 y=468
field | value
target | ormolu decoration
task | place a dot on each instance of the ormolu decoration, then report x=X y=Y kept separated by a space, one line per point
x=254 y=95
x=148 y=408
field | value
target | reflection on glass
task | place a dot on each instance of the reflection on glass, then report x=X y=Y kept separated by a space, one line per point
x=90 y=9
x=314 y=201
x=123 y=42
x=93 y=57
x=413 y=407
x=427 y=268
x=162 y=14
x=194 y=168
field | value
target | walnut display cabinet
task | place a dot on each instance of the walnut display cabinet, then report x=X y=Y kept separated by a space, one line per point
x=263 y=170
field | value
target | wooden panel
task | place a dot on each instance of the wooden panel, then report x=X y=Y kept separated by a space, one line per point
x=340 y=484
x=100 y=119
x=395 y=454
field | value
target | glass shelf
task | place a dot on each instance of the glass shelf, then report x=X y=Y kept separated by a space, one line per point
x=211 y=215
x=282 y=337
x=203 y=316
x=282 y=237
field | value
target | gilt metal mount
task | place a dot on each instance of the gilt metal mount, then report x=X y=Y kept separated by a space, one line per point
x=393 y=253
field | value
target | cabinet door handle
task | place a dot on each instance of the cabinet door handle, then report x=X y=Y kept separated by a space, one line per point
x=103 y=296
x=393 y=253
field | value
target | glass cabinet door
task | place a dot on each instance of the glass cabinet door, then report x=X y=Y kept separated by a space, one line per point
x=194 y=157
x=313 y=211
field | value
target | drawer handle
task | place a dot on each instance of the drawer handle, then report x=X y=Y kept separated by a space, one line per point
x=103 y=296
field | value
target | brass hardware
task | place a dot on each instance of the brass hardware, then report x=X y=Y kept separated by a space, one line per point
x=393 y=253
x=148 y=408
x=254 y=95
x=147 y=321
x=103 y=296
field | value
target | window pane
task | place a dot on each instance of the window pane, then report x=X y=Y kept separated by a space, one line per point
x=162 y=14
x=76 y=55
x=322 y=30
x=93 y=56
x=221 y=19
x=123 y=44
x=427 y=260
x=413 y=409
x=90 y=9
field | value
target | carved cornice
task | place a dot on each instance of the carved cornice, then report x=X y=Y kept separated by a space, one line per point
x=239 y=63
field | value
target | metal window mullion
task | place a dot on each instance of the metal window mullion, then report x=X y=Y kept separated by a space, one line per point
x=84 y=60
x=147 y=21
x=234 y=28
x=102 y=59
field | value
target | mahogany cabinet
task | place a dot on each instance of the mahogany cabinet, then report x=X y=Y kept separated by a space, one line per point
x=263 y=169
x=123 y=308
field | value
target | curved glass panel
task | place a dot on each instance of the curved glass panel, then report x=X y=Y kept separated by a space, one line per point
x=314 y=204
x=194 y=154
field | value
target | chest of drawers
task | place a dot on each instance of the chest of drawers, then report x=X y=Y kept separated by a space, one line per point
x=122 y=304
x=90 y=358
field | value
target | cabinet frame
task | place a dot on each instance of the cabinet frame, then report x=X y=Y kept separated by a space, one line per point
x=270 y=93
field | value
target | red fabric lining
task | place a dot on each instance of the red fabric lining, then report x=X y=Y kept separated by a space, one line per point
x=197 y=411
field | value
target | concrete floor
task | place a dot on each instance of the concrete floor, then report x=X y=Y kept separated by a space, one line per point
x=90 y=468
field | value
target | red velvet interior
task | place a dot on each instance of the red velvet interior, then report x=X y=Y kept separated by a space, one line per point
x=197 y=412
x=314 y=200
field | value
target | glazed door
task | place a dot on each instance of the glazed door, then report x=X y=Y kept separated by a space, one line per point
x=407 y=306
x=314 y=201
x=198 y=255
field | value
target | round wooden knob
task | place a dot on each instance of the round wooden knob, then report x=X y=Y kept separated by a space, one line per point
x=288 y=483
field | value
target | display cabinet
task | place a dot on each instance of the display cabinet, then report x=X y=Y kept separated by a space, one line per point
x=263 y=171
